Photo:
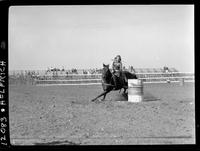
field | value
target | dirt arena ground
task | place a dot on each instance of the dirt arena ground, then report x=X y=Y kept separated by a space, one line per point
x=64 y=115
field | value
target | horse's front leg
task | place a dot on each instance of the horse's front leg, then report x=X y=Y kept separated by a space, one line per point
x=104 y=96
x=104 y=93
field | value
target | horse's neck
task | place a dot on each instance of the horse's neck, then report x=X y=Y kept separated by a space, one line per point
x=108 y=77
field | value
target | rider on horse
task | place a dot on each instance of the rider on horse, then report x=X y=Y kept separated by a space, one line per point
x=117 y=71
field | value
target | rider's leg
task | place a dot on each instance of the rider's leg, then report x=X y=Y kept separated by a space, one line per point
x=122 y=78
x=115 y=81
x=125 y=78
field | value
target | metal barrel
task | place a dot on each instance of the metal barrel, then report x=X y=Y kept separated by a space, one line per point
x=135 y=90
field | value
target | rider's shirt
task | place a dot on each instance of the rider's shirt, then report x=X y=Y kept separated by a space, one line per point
x=117 y=67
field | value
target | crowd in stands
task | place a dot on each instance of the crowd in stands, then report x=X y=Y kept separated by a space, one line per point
x=30 y=76
x=72 y=71
x=57 y=71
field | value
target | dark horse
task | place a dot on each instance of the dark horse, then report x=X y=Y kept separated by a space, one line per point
x=108 y=82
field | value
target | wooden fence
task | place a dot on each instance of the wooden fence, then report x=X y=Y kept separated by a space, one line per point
x=82 y=79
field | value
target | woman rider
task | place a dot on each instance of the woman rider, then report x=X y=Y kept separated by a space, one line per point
x=117 y=70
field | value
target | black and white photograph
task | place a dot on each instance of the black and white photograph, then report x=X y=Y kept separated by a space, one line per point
x=101 y=75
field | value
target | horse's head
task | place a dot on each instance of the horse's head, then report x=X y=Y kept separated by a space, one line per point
x=105 y=68
x=106 y=74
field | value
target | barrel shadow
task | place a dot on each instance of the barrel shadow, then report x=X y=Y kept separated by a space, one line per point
x=125 y=95
x=149 y=97
x=65 y=142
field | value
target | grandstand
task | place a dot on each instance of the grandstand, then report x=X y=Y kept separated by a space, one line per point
x=81 y=71
x=66 y=76
x=153 y=70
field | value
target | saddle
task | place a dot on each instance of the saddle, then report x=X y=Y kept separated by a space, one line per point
x=118 y=79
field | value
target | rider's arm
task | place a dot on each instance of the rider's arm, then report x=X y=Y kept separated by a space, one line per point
x=113 y=68
x=120 y=66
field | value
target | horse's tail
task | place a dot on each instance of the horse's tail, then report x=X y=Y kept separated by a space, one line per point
x=130 y=75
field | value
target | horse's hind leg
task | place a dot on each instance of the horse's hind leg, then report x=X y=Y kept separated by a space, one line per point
x=104 y=96
x=125 y=91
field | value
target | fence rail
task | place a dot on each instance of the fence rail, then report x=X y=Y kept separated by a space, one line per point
x=91 y=79
x=98 y=83
x=148 y=79
x=184 y=77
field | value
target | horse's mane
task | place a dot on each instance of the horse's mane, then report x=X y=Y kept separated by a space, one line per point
x=106 y=75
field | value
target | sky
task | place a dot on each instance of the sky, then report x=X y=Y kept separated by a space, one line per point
x=82 y=37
